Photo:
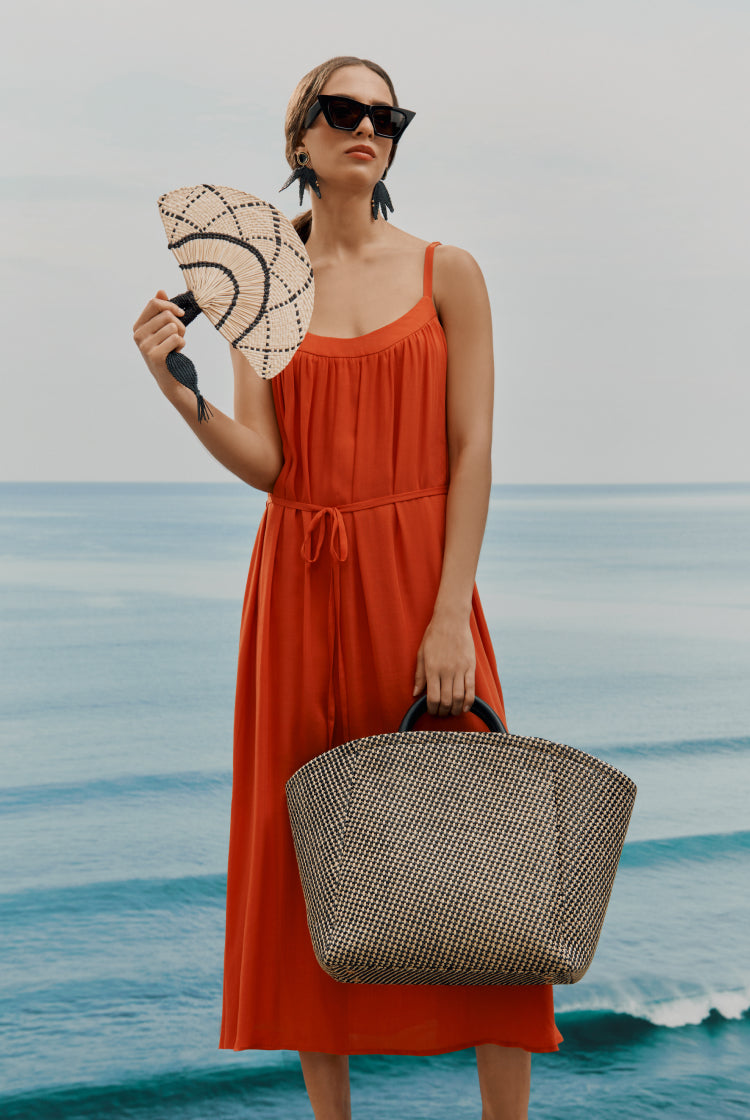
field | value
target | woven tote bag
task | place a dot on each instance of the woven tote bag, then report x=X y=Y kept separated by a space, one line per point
x=457 y=857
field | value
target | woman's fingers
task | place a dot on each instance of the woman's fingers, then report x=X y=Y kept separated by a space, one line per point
x=469 y=689
x=434 y=693
x=445 y=695
x=450 y=695
x=158 y=331
x=420 y=680
x=157 y=306
x=167 y=332
x=446 y=662
x=155 y=347
x=459 y=692
x=168 y=346
x=157 y=323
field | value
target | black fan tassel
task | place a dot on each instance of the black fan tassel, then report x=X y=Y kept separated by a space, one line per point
x=183 y=370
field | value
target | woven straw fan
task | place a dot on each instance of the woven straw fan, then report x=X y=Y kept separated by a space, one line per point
x=246 y=269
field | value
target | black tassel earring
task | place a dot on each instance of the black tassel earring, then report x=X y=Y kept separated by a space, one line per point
x=304 y=174
x=381 y=200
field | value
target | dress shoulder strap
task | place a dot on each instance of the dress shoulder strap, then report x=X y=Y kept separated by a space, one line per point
x=427 y=284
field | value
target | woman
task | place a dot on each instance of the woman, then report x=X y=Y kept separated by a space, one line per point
x=350 y=612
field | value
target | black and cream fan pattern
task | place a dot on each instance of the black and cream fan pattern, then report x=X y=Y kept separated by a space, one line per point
x=246 y=269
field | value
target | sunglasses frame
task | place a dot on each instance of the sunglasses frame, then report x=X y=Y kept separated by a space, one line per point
x=321 y=105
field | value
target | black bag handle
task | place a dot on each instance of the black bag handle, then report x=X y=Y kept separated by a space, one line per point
x=480 y=708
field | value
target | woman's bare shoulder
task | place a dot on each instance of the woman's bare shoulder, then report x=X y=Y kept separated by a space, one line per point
x=454 y=263
x=456 y=277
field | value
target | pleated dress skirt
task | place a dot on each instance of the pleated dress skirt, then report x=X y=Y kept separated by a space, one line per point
x=342 y=583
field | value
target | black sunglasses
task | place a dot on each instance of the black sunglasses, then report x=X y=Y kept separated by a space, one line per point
x=346 y=113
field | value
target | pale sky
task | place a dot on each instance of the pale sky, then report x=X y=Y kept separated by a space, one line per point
x=594 y=157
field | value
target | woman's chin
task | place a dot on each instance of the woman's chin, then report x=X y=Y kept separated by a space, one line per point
x=357 y=179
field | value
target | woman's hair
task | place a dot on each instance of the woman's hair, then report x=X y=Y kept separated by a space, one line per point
x=303 y=97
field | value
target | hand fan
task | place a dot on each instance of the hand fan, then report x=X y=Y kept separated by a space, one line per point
x=246 y=269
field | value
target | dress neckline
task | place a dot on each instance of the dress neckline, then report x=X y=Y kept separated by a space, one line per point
x=380 y=339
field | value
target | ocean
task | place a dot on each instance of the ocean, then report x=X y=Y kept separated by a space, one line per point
x=620 y=617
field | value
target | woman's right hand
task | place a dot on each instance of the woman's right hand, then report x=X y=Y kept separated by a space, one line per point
x=156 y=332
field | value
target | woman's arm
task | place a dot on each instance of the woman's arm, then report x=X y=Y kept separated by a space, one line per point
x=250 y=445
x=446 y=660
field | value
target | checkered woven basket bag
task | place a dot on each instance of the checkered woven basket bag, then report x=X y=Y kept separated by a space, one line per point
x=457 y=857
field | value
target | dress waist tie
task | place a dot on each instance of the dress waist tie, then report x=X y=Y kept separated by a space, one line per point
x=338 y=546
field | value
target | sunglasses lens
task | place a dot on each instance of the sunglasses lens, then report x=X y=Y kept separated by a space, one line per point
x=344 y=113
x=386 y=121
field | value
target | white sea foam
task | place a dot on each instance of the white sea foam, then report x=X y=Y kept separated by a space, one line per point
x=691 y=1010
x=677 y=1011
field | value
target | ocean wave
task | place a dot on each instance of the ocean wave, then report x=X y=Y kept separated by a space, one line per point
x=693 y=1010
x=186 y=1094
x=274 y=1075
x=60 y=794
x=118 y=895
x=730 y=744
x=176 y=893
x=632 y=1016
x=685 y=849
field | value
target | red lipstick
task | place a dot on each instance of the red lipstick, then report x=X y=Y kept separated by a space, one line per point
x=362 y=151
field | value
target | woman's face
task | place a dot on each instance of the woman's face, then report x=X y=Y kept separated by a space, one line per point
x=351 y=158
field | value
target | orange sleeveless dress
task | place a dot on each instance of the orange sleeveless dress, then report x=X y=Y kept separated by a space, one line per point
x=342 y=583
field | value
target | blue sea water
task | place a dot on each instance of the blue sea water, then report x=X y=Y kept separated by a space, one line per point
x=620 y=618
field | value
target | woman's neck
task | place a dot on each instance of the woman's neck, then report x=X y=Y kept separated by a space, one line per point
x=343 y=225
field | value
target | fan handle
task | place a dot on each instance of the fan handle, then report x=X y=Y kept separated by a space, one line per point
x=178 y=364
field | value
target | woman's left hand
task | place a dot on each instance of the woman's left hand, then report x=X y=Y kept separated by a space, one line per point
x=446 y=663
